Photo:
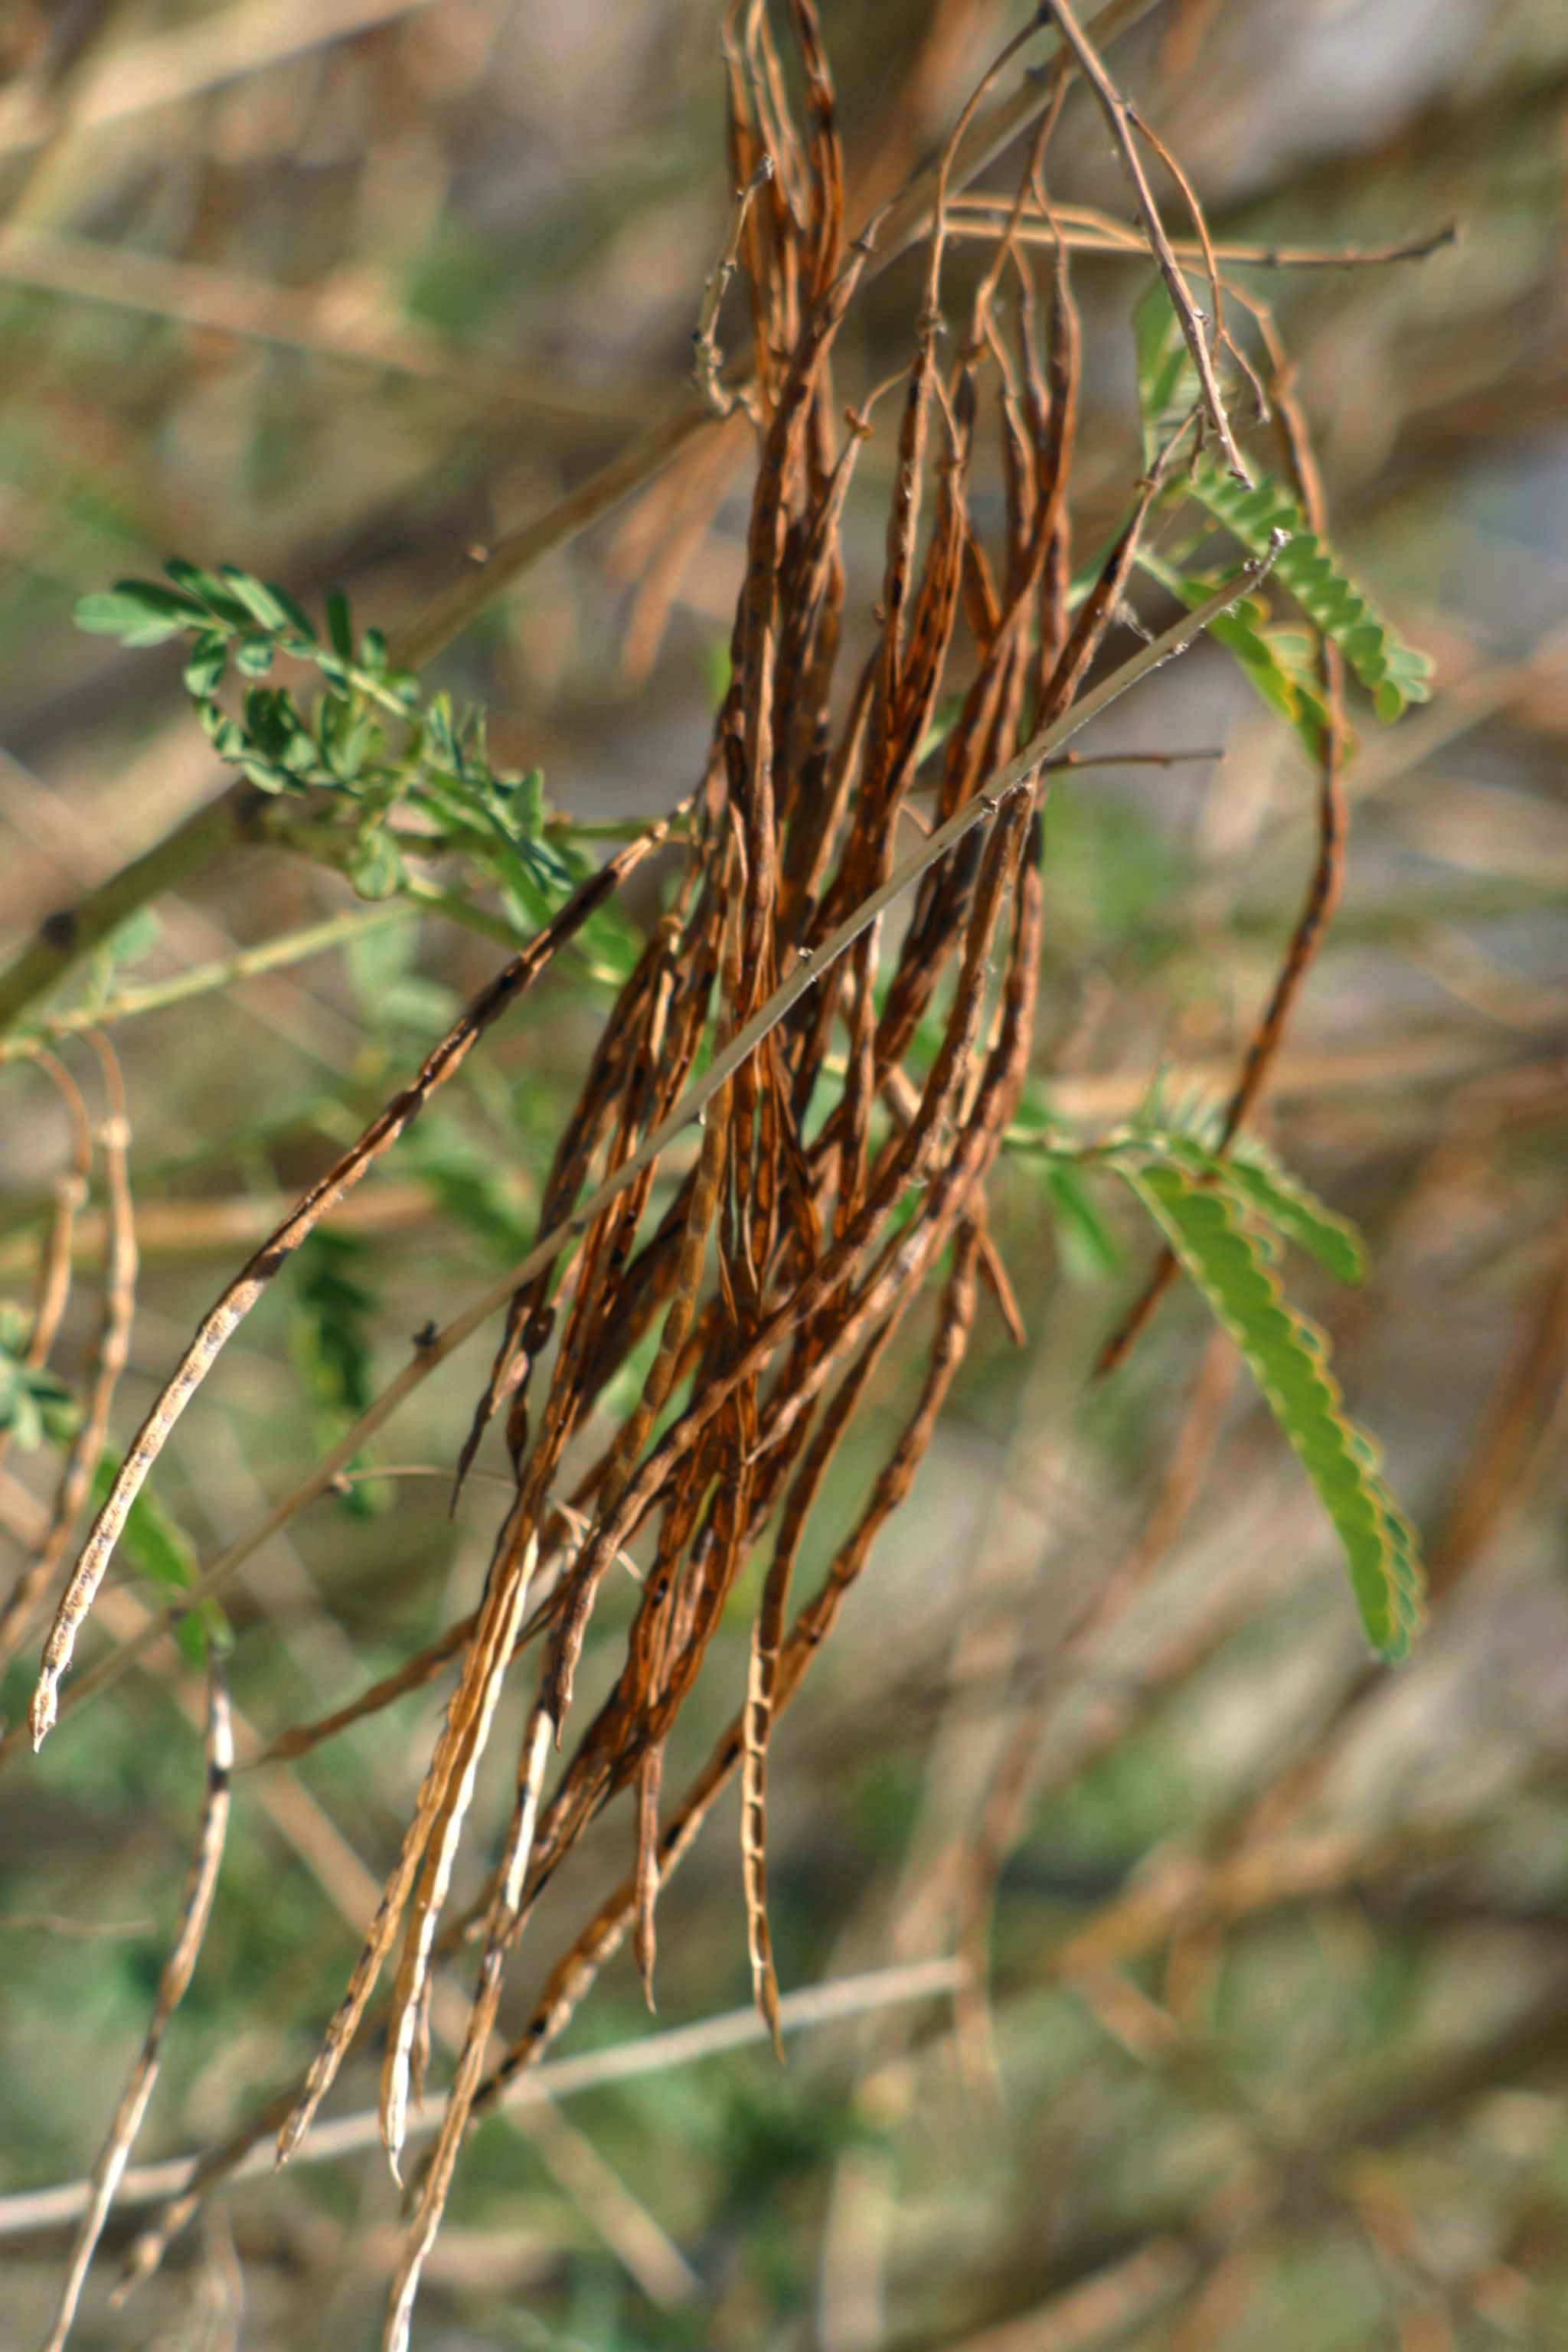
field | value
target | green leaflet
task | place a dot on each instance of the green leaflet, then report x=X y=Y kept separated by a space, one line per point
x=1288 y=1357
x=139 y=612
x=234 y=617
x=1393 y=673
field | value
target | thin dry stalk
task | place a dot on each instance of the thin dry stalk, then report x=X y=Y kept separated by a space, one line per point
x=437 y=2179
x=447 y=1781
x=404 y=2062
x=824 y=2004
x=1119 y=117
x=201 y=1885
x=1083 y=228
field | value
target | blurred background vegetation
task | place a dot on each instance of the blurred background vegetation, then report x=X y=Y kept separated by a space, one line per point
x=1277 y=2043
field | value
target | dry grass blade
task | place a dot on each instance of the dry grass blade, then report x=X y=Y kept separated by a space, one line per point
x=437 y=2180
x=403 y=2067
x=201 y=1885
x=447 y=1785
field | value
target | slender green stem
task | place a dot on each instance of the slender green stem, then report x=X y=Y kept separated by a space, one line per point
x=337 y=930
x=609 y=829
x=329 y=844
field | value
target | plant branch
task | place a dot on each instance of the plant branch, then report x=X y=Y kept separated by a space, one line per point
x=66 y=937
x=1084 y=228
x=208 y=300
x=1020 y=775
x=561 y=2078
x=201 y=979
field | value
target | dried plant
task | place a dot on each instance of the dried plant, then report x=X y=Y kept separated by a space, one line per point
x=848 y=1029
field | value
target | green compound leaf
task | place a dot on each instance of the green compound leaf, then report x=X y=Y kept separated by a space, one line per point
x=376 y=866
x=1393 y=673
x=1277 y=1199
x=1288 y=1357
x=1283 y=1202
x=206 y=665
x=253 y=656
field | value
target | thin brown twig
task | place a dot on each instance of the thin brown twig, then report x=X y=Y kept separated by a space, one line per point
x=707 y=358
x=1119 y=115
x=560 y=2078
x=1086 y=229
